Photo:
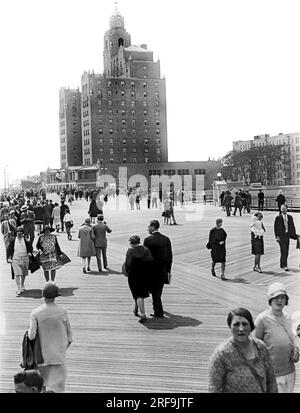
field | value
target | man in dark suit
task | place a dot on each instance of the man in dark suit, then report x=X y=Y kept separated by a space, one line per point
x=27 y=220
x=100 y=229
x=161 y=250
x=260 y=197
x=284 y=229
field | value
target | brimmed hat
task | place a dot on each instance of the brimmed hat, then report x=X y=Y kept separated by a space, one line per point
x=50 y=290
x=24 y=208
x=99 y=216
x=20 y=229
x=87 y=220
x=276 y=289
x=11 y=212
x=47 y=227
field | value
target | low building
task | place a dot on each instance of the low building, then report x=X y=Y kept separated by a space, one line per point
x=86 y=176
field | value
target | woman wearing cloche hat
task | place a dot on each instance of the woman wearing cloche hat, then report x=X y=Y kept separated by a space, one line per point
x=274 y=327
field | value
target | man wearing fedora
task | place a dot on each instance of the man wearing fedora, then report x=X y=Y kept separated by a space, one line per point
x=27 y=220
x=100 y=229
x=52 y=324
x=284 y=229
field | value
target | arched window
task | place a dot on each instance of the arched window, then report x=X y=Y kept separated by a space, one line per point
x=121 y=42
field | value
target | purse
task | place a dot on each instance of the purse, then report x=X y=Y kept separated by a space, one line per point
x=34 y=264
x=63 y=259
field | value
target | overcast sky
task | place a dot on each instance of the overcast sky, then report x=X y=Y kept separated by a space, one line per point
x=232 y=70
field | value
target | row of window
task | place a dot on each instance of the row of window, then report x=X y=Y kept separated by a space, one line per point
x=86 y=123
x=122 y=93
x=125 y=141
x=124 y=160
x=122 y=83
x=123 y=112
x=133 y=131
x=179 y=172
x=123 y=102
x=133 y=122
x=124 y=151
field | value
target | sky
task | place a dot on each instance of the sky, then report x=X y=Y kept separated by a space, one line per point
x=231 y=67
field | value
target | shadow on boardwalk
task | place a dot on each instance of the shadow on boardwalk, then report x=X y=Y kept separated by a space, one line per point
x=37 y=293
x=171 y=321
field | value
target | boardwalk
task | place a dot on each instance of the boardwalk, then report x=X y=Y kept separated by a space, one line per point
x=111 y=351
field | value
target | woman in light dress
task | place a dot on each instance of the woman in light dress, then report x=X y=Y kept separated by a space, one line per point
x=18 y=253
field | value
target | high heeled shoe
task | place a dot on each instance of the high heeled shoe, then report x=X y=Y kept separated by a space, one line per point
x=259 y=270
x=213 y=273
x=255 y=269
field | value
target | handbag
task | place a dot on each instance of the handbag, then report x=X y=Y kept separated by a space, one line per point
x=63 y=259
x=34 y=263
x=208 y=246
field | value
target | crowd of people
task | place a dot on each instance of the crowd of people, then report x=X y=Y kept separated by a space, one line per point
x=259 y=357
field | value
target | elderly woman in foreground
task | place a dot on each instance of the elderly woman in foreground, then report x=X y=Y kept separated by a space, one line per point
x=241 y=364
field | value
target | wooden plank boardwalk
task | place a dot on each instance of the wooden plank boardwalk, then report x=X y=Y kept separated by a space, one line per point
x=111 y=351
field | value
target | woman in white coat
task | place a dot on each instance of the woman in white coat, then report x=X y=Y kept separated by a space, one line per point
x=56 y=216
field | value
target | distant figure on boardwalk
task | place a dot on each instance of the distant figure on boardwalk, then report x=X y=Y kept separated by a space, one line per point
x=274 y=327
x=86 y=247
x=137 y=268
x=8 y=230
x=261 y=199
x=50 y=250
x=38 y=210
x=167 y=210
x=52 y=324
x=216 y=242
x=154 y=199
x=160 y=269
x=257 y=239
x=222 y=195
x=241 y=364
x=238 y=205
x=280 y=200
x=137 y=200
x=68 y=223
x=94 y=210
x=248 y=201
x=100 y=229
x=27 y=220
x=63 y=209
x=227 y=203
x=131 y=199
x=18 y=253
x=284 y=229
x=149 y=199
x=56 y=216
